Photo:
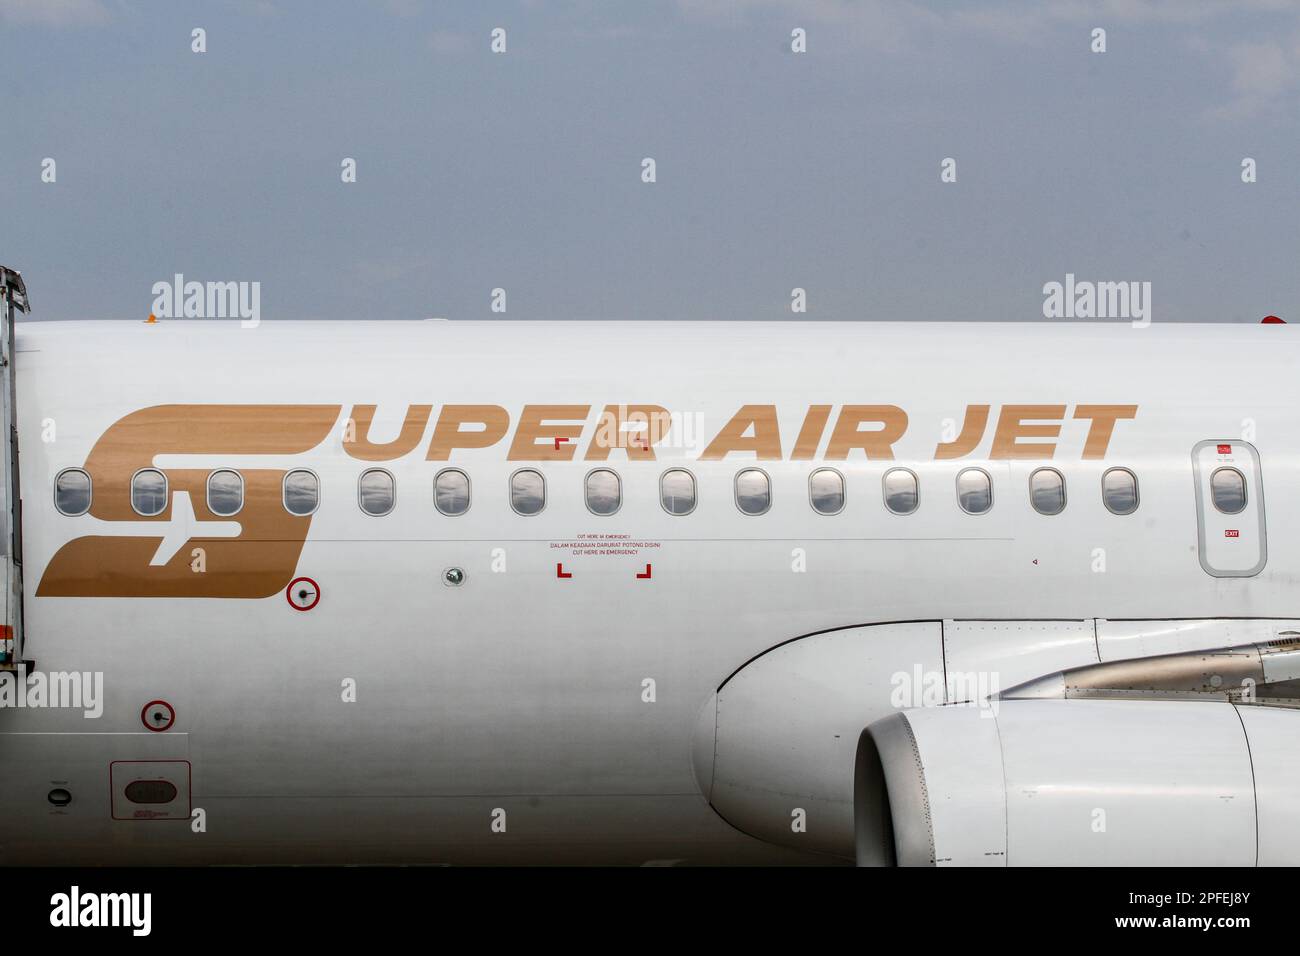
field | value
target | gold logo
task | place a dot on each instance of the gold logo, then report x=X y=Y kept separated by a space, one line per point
x=257 y=562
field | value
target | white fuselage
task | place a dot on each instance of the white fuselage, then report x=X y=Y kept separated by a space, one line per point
x=526 y=692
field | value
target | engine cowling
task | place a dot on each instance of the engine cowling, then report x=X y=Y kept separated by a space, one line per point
x=1080 y=782
x=775 y=748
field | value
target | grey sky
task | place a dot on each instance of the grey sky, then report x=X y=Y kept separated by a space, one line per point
x=775 y=170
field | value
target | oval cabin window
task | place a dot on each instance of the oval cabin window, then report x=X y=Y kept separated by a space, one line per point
x=677 y=491
x=225 y=493
x=974 y=491
x=149 y=492
x=527 y=491
x=753 y=491
x=301 y=492
x=72 y=492
x=900 y=490
x=451 y=492
x=1119 y=491
x=604 y=492
x=376 y=492
x=1228 y=490
x=1047 y=491
x=826 y=491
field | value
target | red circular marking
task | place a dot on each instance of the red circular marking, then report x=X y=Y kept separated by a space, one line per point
x=158 y=728
x=288 y=594
x=1272 y=320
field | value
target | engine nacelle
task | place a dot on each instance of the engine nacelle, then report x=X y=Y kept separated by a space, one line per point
x=775 y=748
x=1080 y=782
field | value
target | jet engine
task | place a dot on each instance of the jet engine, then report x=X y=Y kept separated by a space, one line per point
x=1188 y=759
x=1080 y=782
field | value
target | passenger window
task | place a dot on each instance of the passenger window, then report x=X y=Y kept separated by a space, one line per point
x=1119 y=491
x=826 y=491
x=72 y=492
x=1047 y=491
x=604 y=492
x=677 y=491
x=149 y=492
x=1228 y=490
x=527 y=491
x=975 y=491
x=901 y=494
x=451 y=491
x=301 y=492
x=376 y=492
x=225 y=492
x=753 y=491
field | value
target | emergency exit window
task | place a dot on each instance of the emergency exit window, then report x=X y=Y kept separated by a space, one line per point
x=1228 y=490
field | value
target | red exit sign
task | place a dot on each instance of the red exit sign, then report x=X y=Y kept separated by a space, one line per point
x=1232 y=533
x=1225 y=449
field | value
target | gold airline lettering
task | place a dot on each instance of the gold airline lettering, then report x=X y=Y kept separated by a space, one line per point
x=1012 y=427
x=877 y=443
x=972 y=432
x=1103 y=419
x=638 y=444
x=765 y=443
x=540 y=421
x=362 y=448
x=448 y=434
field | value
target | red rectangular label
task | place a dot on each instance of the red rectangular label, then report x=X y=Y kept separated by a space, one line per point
x=1225 y=449
x=1232 y=534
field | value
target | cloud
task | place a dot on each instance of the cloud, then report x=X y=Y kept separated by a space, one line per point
x=1262 y=69
x=1265 y=77
x=54 y=13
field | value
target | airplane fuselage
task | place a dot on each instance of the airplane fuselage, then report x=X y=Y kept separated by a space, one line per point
x=547 y=706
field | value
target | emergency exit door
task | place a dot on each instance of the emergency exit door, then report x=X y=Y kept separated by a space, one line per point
x=1229 y=508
